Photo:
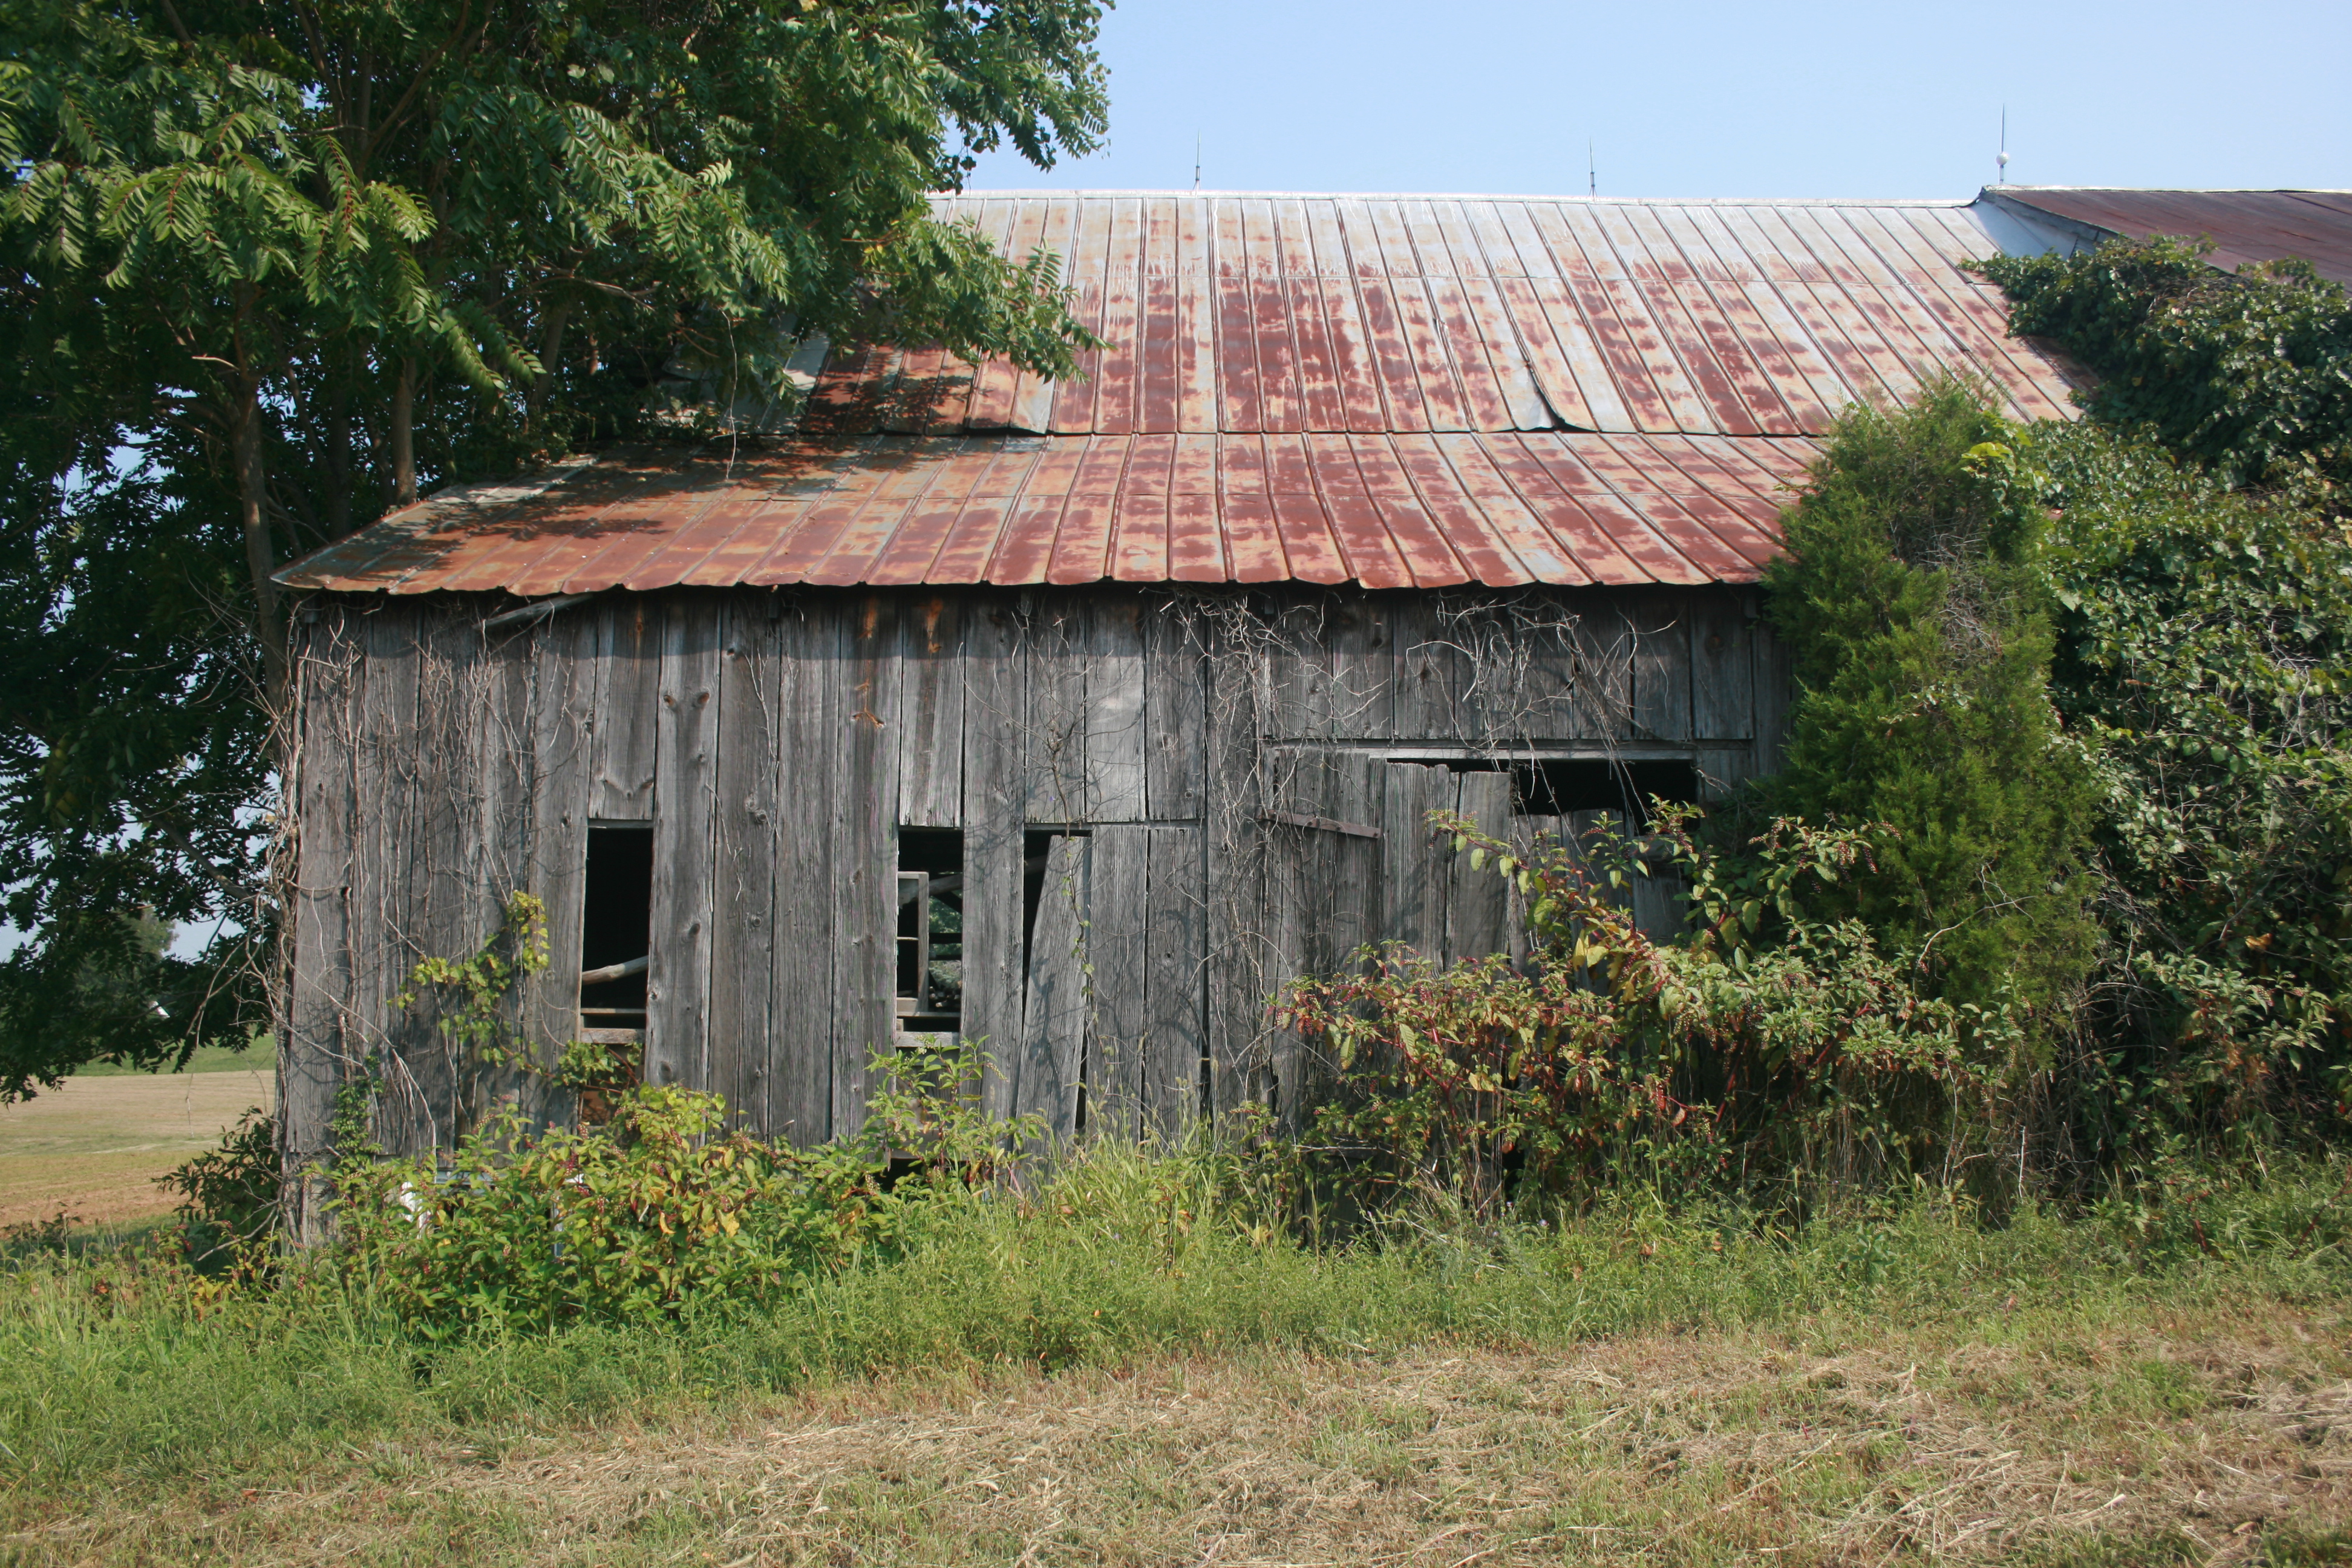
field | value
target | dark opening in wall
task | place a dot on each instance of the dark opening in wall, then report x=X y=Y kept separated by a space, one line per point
x=929 y=996
x=1036 y=844
x=1557 y=786
x=616 y=925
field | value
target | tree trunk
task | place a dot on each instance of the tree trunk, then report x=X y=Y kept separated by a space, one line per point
x=404 y=434
x=337 y=436
x=551 y=349
x=260 y=557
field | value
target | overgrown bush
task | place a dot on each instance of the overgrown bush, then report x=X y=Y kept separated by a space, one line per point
x=2247 y=374
x=2205 y=657
x=530 y=1228
x=1770 y=1046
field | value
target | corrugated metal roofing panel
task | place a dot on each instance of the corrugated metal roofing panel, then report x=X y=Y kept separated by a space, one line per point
x=1294 y=314
x=1492 y=508
x=2244 y=225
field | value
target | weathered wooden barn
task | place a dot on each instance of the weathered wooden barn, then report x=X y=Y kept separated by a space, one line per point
x=1076 y=717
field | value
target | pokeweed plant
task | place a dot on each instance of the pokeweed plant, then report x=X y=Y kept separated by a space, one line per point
x=1769 y=1044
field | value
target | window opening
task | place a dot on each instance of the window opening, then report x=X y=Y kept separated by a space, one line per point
x=616 y=929
x=929 y=996
x=1559 y=787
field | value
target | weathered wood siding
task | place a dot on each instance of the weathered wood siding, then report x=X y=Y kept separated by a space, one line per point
x=1171 y=744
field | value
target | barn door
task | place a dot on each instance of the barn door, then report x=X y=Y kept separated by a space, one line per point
x=1323 y=863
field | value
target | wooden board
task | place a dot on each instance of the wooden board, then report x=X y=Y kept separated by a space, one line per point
x=1054 y=732
x=1046 y=1073
x=1414 y=883
x=1119 y=942
x=1235 y=881
x=628 y=709
x=1723 y=703
x=385 y=887
x=1175 y=714
x=745 y=858
x=563 y=699
x=866 y=850
x=1175 y=1035
x=1476 y=899
x=502 y=777
x=809 y=712
x=316 y=1049
x=931 y=713
x=1363 y=668
x=685 y=800
x=994 y=796
x=1115 y=727
x=1661 y=667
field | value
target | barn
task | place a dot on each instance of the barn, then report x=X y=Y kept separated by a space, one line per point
x=1075 y=717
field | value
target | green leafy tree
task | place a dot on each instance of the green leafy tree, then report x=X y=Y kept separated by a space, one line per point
x=1922 y=642
x=273 y=267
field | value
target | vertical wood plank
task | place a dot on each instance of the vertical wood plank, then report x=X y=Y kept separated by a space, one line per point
x=930 y=703
x=1363 y=669
x=866 y=868
x=1413 y=881
x=1235 y=856
x=628 y=710
x=994 y=793
x=809 y=706
x=1048 y=1071
x=1176 y=987
x=744 y=861
x=685 y=800
x=1056 y=730
x=387 y=880
x=317 y=1049
x=1661 y=667
x=1115 y=710
x=563 y=707
x=504 y=769
x=1175 y=715
x=1299 y=672
x=1118 y=941
x=1604 y=670
x=1477 y=901
x=1296 y=883
x=1723 y=698
x=1423 y=708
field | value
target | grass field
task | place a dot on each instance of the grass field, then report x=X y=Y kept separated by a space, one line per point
x=1046 y=1383
x=93 y=1146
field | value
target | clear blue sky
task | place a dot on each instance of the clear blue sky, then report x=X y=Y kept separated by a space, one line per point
x=1716 y=99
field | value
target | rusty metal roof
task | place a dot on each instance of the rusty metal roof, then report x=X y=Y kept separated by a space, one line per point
x=1395 y=390
x=1386 y=512
x=1256 y=314
x=2244 y=225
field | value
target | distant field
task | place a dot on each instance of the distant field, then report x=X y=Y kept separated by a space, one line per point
x=94 y=1145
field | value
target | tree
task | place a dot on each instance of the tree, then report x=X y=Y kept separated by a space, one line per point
x=271 y=266
x=1922 y=641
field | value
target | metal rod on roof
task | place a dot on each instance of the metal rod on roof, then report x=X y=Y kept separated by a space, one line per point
x=537 y=611
x=1592 y=170
x=2002 y=159
x=1196 y=162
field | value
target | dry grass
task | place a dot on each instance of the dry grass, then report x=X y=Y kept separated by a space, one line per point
x=2209 y=1440
x=94 y=1145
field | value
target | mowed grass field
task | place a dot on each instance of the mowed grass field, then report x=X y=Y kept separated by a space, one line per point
x=93 y=1146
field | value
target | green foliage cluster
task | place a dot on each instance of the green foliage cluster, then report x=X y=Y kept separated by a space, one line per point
x=1772 y=1041
x=2205 y=662
x=633 y=1221
x=271 y=269
x=2247 y=374
x=1912 y=601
